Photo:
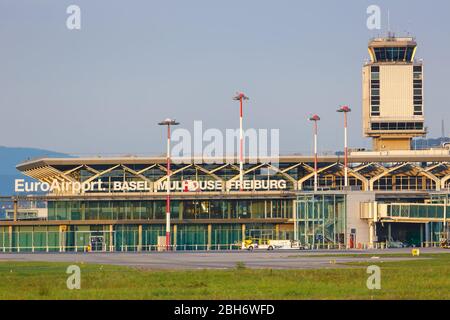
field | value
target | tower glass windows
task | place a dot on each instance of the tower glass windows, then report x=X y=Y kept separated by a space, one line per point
x=394 y=54
x=417 y=89
x=375 y=91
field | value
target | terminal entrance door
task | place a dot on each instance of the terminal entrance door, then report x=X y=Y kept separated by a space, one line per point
x=97 y=243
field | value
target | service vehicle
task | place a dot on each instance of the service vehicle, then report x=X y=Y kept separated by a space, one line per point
x=267 y=244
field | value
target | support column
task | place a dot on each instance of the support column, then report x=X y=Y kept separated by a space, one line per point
x=32 y=239
x=174 y=236
x=444 y=226
x=10 y=232
x=431 y=234
x=15 y=210
x=62 y=238
x=438 y=184
x=209 y=237
x=427 y=234
x=277 y=231
x=47 y=249
x=371 y=234
x=111 y=238
x=294 y=217
x=139 y=246
x=243 y=232
x=421 y=234
x=389 y=233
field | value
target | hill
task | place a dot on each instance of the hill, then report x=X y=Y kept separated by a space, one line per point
x=10 y=157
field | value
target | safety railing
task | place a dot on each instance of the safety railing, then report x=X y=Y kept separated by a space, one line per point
x=195 y=247
x=120 y=248
x=431 y=244
x=341 y=246
x=49 y=248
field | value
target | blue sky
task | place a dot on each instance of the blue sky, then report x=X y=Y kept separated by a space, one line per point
x=102 y=89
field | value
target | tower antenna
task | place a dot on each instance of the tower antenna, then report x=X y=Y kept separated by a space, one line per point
x=389 y=23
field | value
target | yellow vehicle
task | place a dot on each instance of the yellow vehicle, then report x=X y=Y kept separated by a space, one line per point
x=253 y=243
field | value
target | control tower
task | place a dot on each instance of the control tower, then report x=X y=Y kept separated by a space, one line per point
x=393 y=94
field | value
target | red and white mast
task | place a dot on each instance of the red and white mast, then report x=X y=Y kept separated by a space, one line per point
x=345 y=110
x=168 y=123
x=315 y=118
x=241 y=96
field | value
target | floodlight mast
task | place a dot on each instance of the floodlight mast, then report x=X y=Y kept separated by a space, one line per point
x=241 y=97
x=345 y=110
x=315 y=118
x=168 y=122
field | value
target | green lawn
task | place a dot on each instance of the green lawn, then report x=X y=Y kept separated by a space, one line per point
x=413 y=279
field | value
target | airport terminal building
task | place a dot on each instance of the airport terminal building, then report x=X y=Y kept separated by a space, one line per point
x=394 y=194
x=403 y=198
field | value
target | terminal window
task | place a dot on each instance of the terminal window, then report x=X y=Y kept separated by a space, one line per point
x=375 y=91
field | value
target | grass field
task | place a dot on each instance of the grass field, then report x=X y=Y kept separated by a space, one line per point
x=411 y=279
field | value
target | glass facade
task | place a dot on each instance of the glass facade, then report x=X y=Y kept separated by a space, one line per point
x=95 y=225
x=400 y=182
x=440 y=198
x=394 y=54
x=180 y=209
x=414 y=210
x=26 y=238
x=130 y=238
x=321 y=219
x=318 y=220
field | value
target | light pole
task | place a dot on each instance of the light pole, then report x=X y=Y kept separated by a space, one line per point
x=315 y=118
x=168 y=122
x=240 y=97
x=345 y=110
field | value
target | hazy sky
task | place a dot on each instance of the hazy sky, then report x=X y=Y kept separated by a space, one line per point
x=102 y=89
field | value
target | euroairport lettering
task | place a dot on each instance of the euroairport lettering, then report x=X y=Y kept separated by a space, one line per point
x=21 y=185
x=98 y=185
